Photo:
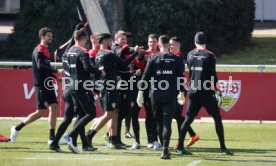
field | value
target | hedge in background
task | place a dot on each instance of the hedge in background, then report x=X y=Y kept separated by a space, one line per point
x=228 y=23
x=33 y=16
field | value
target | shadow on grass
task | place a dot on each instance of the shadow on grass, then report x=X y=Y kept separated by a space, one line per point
x=14 y=148
x=251 y=151
x=209 y=155
x=240 y=161
x=228 y=140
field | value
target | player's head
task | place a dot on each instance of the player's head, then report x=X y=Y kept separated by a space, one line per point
x=105 y=40
x=46 y=35
x=163 y=42
x=200 y=39
x=95 y=41
x=175 y=44
x=121 y=38
x=80 y=37
x=153 y=42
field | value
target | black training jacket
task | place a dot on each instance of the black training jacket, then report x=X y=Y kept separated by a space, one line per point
x=167 y=67
x=202 y=67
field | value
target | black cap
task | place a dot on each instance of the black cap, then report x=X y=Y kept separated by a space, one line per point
x=102 y=36
x=200 y=38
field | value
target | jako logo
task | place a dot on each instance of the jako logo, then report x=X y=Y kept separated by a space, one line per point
x=159 y=72
x=167 y=72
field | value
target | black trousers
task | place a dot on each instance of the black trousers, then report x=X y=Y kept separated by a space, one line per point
x=128 y=105
x=164 y=112
x=69 y=114
x=150 y=122
x=209 y=102
x=84 y=99
x=180 y=119
x=134 y=113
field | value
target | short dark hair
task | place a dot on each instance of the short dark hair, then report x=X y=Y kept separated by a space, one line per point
x=79 y=34
x=153 y=36
x=120 y=33
x=43 y=31
x=103 y=36
x=176 y=39
x=200 y=38
x=164 y=39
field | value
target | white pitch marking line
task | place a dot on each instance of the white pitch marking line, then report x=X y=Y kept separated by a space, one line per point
x=194 y=163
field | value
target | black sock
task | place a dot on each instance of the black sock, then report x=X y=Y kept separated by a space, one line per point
x=113 y=139
x=165 y=150
x=91 y=133
x=19 y=126
x=74 y=141
x=180 y=145
x=52 y=134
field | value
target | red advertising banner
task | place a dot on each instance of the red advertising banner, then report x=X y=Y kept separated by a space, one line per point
x=247 y=96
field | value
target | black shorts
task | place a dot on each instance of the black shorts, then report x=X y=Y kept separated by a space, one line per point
x=109 y=100
x=83 y=101
x=44 y=97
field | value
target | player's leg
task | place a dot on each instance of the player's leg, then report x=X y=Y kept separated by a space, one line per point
x=113 y=135
x=210 y=103
x=135 y=109
x=168 y=110
x=103 y=106
x=86 y=101
x=180 y=119
x=127 y=125
x=150 y=122
x=41 y=99
x=52 y=119
x=86 y=146
x=101 y=121
x=53 y=109
x=178 y=116
x=158 y=113
x=193 y=109
x=68 y=116
x=122 y=112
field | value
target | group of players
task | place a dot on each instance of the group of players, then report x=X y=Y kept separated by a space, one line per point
x=118 y=61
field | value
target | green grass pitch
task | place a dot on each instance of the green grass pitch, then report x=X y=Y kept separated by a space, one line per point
x=253 y=144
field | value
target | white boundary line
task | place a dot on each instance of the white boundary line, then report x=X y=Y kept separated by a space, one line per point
x=194 y=163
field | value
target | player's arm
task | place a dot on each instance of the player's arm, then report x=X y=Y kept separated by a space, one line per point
x=180 y=68
x=121 y=51
x=212 y=69
x=121 y=61
x=41 y=64
x=145 y=77
x=84 y=57
x=181 y=73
